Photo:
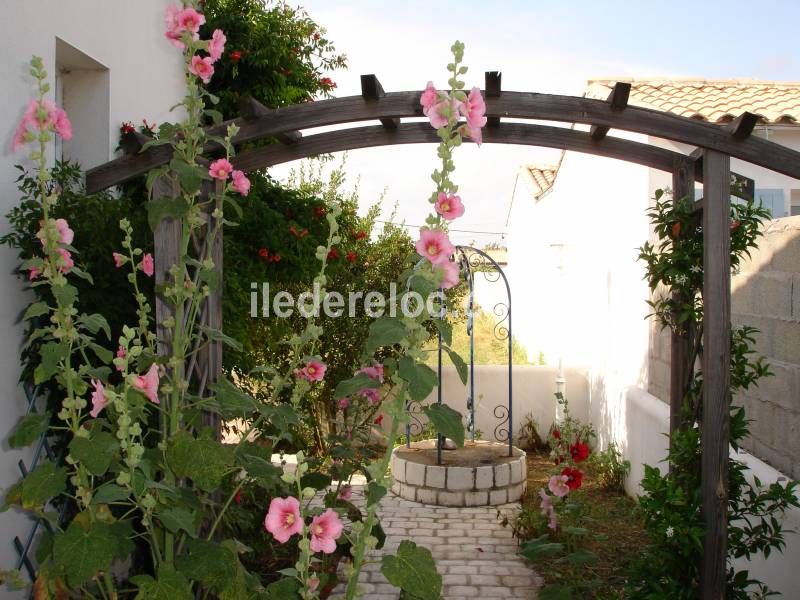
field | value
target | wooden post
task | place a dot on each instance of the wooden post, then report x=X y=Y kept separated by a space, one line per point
x=167 y=239
x=716 y=370
x=680 y=346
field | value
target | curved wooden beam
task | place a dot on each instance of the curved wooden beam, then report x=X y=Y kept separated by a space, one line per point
x=514 y=105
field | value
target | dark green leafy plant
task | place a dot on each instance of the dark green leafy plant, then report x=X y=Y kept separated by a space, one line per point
x=609 y=468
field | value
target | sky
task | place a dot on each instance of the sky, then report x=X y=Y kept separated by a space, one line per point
x=549 y=47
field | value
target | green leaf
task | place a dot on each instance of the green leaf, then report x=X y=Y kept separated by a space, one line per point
x=446 y=421
x=165 y=208
x=216 y=116
x=82 y=552
x=51 y=354
x=257 y=461
x=445 y=330
x=535 y=549
x=170 y=585
x=95 y=452
x=190 y=176
x=43 y=483
x=232 y=401
x=210 y=563
x=318 y=481
x=581 y=558
x=217 y=336
x=104 y=354
x=29 y=429
x=176 y=519
x=420 y=377
x=283 y=589
x=348 y=387
x=95 y=323
x=111 y=492
x=374 y=493
x=65 y=294
x=280 y=416
x=385 y=331
x=37 y=309
x=203 y=461
x=459 y=364
x=413 y=570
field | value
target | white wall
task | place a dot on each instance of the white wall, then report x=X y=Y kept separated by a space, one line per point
x=143 y=82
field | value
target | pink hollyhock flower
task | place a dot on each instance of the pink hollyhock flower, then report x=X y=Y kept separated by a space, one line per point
x=436 y=112
x=312 y=583
x=202 y=67
x=548 y=510
x=434 y=245
x=33 y=273
x=449 y=206
x=325 y=530
x=283 y=518
x=189 y=20
x=558 y=485
x=346 y=492
x=313 y=371
x=121 y=353
x=148 y=268
x=216 y=45
x=119 y=259
x=344 y=403
x=240 y=182
x=173 y=31
x=474 y=109
x=220 y=169
x=373 y=372
x=148 y=384
x=429 y=97
x=450 y=274
x=61 y=123
x=65 y=234
x=371 y=394
x=66 y=260
x=99 y=398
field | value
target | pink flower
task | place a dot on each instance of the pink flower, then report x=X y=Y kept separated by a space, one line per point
x=436 y=113
x=173 y=31
x=429 y=97
x=220 y=169
x=99 y=398
x=373 y=372
x=121 y=353
x=371 y=394
x=202 y=67
x=65 y=234
x=119 y=259
x=450 y=274
x=313 y=371
x=474 y=109
x=283 y=518
x=33 y=273
x=240 y=182
x=449 y=206
x=189 y=20
x=344 y=403
x=216 y=45
x=66 y=260
x=346 y=493
x=558 y=485
x=61 y=123
x=434 y=245
x=41 y=117
x=147 y=265
x=312 y=583
x=548 y=510
x=148 y=384
x=325 y=530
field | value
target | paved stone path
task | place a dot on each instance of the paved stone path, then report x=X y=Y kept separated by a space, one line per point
x=476 y=555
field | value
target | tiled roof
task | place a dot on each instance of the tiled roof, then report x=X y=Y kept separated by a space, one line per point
x=542 y=177
x=716 y=101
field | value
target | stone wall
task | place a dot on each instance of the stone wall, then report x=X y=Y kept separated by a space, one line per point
x=765 y=295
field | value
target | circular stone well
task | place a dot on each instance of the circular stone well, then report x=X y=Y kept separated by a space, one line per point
x=479 y=474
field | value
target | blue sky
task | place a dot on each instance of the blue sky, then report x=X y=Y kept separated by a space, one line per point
x=552 y=46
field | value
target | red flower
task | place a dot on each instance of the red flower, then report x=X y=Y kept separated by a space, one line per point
x=236 y=55
x=735 y=224
x=379 y=419
x=579 y=451
x=238 y=497
x=300 y=235
x=361 y=234
x=333 y=254
x=556 y=434
x=676 y=229
x=316 y=37
x=327 y=82
x=575 y=477
x=352 y=257
x=127 y=128
x=276 y=258
x=319 y=212
x=263 y=253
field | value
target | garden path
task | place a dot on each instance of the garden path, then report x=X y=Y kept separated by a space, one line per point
x=476 y=555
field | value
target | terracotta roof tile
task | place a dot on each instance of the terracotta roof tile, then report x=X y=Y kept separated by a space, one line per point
x=716 y=101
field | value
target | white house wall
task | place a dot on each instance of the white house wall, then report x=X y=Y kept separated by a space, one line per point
x=143 y=72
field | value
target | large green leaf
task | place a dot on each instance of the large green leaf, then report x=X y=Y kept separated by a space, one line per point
x=190 y=176
x=283 y=589
x=257 y=461
x=413 y=570
x=95 y=452
x=233 y=403
x=446 y=421
x=65 y=294
x=43 y=483
x=81 y=552
x=459 y=364
x=210 y=563
x=110 y=492
x=176 y=519
x=385 y=331
x=165 y=208
x=420 y=377
x=348 y=387
x=37 y=309
x=51 y=354
x=203 y=461
x=170 y=585
x=95 y=323
x=28 y=430
x=280 y=416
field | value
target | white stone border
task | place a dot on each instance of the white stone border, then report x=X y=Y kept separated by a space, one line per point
x=485 y=485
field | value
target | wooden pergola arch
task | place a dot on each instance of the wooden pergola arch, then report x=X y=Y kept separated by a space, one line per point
x=709 y=164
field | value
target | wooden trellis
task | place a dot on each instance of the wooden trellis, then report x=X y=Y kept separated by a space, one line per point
x=709 y=164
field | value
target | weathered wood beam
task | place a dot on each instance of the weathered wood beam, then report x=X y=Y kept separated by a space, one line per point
x=513 y=105
x=716 y=371
x=743 y=125
x=167 y=241
x=252 y=110
x=617 y=100
x=371 y=89
x=493 y=85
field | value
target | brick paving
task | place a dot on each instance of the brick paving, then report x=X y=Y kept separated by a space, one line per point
x=476 y=555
